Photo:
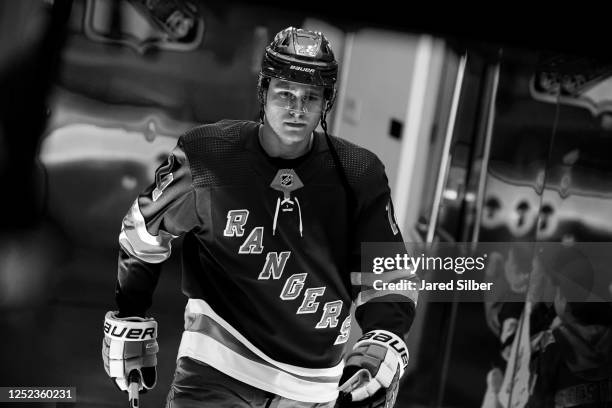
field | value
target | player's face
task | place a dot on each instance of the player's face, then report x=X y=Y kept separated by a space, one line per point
x=293 y=110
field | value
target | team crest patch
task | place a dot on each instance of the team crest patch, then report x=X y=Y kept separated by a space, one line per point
x=309 y=50
x=286 y=180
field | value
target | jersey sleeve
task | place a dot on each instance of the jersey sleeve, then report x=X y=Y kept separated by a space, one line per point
x=162 y=212
x=391 y=310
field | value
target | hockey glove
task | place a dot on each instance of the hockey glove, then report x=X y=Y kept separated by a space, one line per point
x=129 y=352
x=372 y=371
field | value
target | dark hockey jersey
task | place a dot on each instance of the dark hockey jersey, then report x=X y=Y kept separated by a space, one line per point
x=267 y=256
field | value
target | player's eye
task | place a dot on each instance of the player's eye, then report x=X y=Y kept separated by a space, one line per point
x=312 y=98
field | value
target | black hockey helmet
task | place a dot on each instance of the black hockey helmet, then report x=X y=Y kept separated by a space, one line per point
x=302 y=56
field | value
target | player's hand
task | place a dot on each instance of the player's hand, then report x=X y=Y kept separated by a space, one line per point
x=129 y=351
x=372 y=372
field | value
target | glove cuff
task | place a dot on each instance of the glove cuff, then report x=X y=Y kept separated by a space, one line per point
x=390 y=340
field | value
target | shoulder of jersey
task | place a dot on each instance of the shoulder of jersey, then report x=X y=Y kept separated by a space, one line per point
x=210 y=136
x=359 y=163
x=216 y=146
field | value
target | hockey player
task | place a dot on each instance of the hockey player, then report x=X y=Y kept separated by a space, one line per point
x=273 y=216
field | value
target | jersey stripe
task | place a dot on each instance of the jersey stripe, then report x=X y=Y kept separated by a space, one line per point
x=136 y=240
x=212 y=340
x=368 y=278
x=205 y=325
x=369 y=295
x=199 y=306
x=365 y=282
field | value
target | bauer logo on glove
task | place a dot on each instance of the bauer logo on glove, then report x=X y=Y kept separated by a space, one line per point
x=390 y=340
x=129 y=330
